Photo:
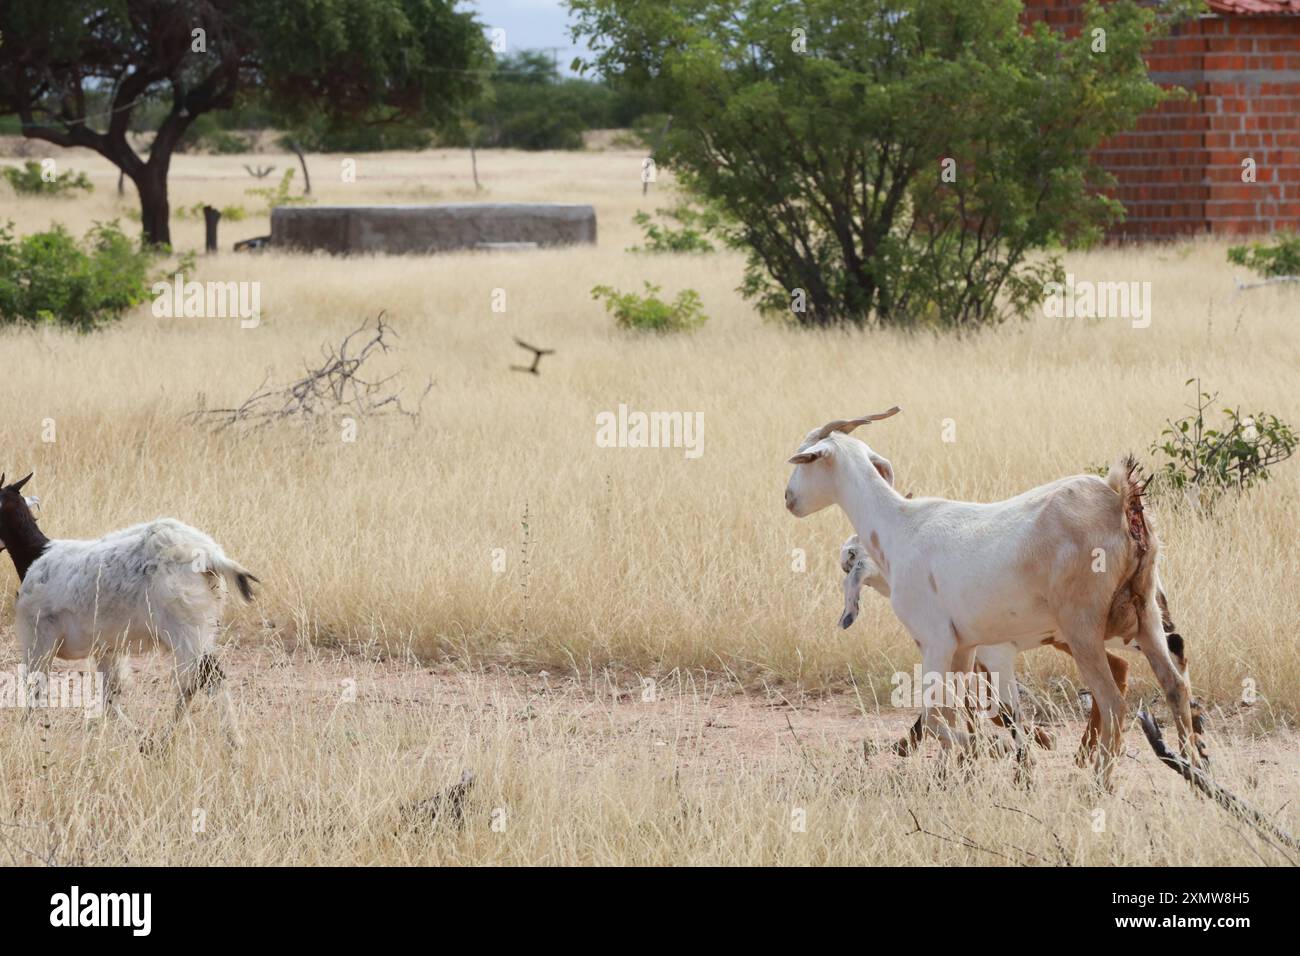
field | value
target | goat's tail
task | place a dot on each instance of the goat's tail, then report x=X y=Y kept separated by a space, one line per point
x=235 y=574
x=1125 y=480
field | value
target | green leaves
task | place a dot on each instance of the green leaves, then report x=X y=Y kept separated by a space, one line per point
x=376 y=60
x=50 y=277
x=332 y=64
x=649 y=313
x=28 y=180
x=886 y=161
x=1282 y=258
x=691 y=237
x=1209 y=460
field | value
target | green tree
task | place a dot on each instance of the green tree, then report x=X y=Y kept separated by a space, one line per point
x=895 y=160
x=76 y=71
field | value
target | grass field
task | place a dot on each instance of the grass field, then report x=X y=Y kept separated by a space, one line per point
x=618 y=563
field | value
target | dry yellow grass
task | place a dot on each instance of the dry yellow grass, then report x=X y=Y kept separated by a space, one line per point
x=632 y=561
x=583 y=772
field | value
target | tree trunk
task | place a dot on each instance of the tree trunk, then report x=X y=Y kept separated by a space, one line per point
x=302 y=161
x=155 y=210
x=210 y=219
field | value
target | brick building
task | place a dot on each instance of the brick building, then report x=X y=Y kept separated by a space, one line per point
x=1180 y=171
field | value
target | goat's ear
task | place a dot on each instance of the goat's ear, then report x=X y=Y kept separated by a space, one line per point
x=883 y=466
x=18 y=485
x=812 y=454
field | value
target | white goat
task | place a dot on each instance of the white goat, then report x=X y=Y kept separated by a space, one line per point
x=997 y=662
x=159 y=581
x=1070 y=562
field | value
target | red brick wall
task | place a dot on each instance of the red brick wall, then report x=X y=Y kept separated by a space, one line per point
x=1179 y=171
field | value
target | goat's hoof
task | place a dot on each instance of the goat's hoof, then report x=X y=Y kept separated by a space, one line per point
x=1003 y=748
x=1024 y=773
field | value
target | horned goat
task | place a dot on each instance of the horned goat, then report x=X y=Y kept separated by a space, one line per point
x=1069 y=562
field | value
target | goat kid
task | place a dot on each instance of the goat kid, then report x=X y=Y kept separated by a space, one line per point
x=1069 y=562
x=155 y=582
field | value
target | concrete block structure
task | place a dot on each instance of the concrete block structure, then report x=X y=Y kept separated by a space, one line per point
x=441 y=227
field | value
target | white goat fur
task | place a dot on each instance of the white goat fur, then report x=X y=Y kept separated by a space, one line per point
x=860 y=571
x=1024 y=572
x=149 y=582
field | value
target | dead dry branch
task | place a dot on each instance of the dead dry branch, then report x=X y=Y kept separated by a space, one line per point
x=340 y=385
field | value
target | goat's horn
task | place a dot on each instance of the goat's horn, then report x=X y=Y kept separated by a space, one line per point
x=846 y=426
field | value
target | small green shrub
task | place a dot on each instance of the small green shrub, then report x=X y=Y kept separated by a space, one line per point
x=1282 y=258
x=695 y=226
x=230 y=213
x=1209 y=461
x=50 y=277
x=649 y=313
x=28 y=181
x=280 y=195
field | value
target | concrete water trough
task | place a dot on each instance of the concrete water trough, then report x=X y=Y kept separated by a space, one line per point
x=437 y=227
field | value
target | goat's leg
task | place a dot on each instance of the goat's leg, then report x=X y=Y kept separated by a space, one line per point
x=962 y=669
x=186 y=686
x=113 y=669
x=936 y=667
x=186 y=643
x=1085 y=635
x=912 y=738
x=38 y=642
x=213 y=679
x=1088 y=745
x=1155 y=648
x=999 y=664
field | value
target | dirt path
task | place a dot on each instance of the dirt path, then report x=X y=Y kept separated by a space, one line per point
x=712 y=724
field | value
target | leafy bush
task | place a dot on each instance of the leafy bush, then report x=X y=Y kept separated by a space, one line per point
x=50 y=277
x=695 y=225
x=28 y=181
x=1206 y=461
x=279 y=195
x=525 y=105
x=1280 y=259
x=651 y=314
x=230 y=213
x=319 y=135
x=539 y=129
x=207 y=134
x=898 y=163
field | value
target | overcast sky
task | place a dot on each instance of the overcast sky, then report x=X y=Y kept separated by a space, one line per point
x=531 y=25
